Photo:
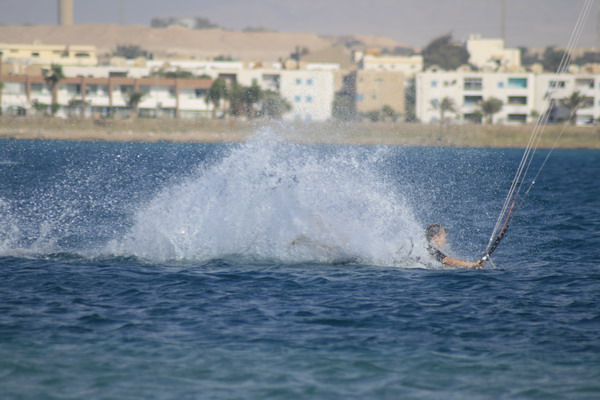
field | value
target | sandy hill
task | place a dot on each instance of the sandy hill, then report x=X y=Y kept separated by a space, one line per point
x=179 y=41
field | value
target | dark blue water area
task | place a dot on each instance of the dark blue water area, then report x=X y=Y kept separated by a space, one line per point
x=77 y=322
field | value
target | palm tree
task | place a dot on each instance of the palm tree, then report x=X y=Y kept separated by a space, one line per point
x=490 y=107
x=216 y=93
x=273 y=106
x=234 y=96
x=388 y=112
x=446 y=105
x=243 y=98
x=133 y=101
x=52 y=78
x=575 y=101
x=251 y=95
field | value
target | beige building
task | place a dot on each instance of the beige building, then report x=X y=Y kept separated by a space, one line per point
x=409 y=65
x=46 y=54
x=375 y=89
x=491 y=54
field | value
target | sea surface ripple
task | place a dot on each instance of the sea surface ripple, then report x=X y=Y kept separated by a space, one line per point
x=88 y=309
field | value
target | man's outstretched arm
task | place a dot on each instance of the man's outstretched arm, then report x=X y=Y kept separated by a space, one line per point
x=455 y=262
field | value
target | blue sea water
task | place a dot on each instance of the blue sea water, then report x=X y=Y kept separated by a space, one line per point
x=172 y=271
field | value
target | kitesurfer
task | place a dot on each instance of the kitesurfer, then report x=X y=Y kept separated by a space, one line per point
x=436 y=239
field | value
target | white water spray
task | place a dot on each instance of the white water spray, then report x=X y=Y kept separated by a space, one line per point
x=271 y=200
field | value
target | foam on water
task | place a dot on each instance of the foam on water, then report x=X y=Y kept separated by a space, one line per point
x=272 y=200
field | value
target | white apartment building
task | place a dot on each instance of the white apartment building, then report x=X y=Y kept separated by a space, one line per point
x=525 y=96
x=309 y=92
x=468 y=89
x=184 y=98
x=210 y=68
x=490 y=54
x=552 y=87
x=105 y=89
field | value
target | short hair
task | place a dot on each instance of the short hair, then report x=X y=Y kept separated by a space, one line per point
x=432 y=230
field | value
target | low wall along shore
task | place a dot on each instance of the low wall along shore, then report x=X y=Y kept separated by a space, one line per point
x=151 y=130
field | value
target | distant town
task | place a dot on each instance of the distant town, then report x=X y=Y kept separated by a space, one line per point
x=190 y=68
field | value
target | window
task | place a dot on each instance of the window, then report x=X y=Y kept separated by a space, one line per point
x=434 y=83
x=271 y=82
x=473 y=84
x=500 y=85
x=297 y=99
x=125 y=89
x=38 y=88
x=73 y=88
x=95 y=90
x=308 y=117
x=82 y=55
x=91 y=90
x=13 y=88
x=435 y=102
x=471 y=100
x=359 y=97
x=298 y=81
x=145 y=89
x=309 y=82
x=200 y=93
x=585 y=119
x=309 y=99
x=586 y=102
x=517 y=100
x=554 y=84
x=517 y=83
x=35 y=54
x=117 y=74
x=474 y=118
x=584 y=83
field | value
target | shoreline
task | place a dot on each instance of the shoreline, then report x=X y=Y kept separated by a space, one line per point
x=364 y=133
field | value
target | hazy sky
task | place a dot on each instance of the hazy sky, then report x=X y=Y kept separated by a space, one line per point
x=533 y=23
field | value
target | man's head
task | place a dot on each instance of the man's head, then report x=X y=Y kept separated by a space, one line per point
x=436 y=235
